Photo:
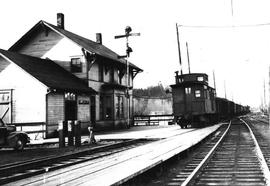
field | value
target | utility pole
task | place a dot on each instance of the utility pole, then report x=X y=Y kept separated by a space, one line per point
x=214 y=77
x=264 y=98
x=225 y=89
x=179 y=51
x=188 y=58
x=269 y=99
x=128 y=51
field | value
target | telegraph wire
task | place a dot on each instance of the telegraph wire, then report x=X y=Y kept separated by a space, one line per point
x=224 y=26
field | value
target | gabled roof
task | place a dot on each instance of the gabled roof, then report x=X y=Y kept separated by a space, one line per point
x=87 y=44
x=47 y=72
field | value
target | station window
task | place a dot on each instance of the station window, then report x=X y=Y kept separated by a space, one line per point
x=120 y=74
x=188 y=90
x=105 y=107
x=111 y=75
x=197 y=93
x=76 y=65
x=119 y=107
x=4 y=97
x=100 y=72
x=200 y=78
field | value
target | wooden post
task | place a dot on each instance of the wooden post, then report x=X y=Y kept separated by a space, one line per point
x=214 y=78
x=77 y=133
x=188 y=58
x=70 y=132
x=61 y=134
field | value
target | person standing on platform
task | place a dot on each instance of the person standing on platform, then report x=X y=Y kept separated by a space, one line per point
x=92 y=139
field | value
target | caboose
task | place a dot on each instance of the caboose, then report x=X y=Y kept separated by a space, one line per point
x=193 y=100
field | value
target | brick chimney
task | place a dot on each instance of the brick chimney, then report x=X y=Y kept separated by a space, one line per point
x=60 y=20
x=99 y=38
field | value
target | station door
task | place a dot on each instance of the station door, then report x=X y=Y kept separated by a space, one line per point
x=70 y=110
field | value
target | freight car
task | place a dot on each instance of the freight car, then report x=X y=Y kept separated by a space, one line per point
x=195 y=102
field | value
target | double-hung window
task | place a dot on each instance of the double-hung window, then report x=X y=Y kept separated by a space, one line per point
x=76 y=65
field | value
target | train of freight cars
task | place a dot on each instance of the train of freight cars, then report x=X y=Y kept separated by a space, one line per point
x=195 y=102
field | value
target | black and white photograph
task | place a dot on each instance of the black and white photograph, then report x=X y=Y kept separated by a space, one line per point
x=135 y=93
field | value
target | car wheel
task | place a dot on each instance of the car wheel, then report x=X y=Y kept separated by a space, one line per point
x=19 y=144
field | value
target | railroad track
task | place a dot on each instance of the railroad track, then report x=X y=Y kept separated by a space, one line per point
x=235 y=158
x=262 y=142
x=19 y=170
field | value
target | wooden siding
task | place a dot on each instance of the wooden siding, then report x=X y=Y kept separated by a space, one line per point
x=178 y=108
x=62 y=53
x=198 y=107
x=55 y=112
x=28 y=99
x=178 y=95
x=64 y=64
x=94 y=72
x=3 y=64
x=83 y=108
x=55 y=107
x=107 y=78
x=47 y=44
x=55 y=47
x=39 y=43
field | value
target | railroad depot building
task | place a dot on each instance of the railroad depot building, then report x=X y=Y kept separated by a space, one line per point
x=51 y=74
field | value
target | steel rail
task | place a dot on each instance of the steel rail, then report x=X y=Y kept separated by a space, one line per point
x=39 y=165
x=196 y=170
x=16 y=165
x=261 y=158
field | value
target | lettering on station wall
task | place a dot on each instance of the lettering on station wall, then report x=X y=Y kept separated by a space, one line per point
x=84 y=102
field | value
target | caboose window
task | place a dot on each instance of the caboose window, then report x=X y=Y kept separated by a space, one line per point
x=197 y=93
x=188 y=90
x=200 y=78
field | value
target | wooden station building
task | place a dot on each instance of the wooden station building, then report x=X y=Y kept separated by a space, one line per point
x=51 y=74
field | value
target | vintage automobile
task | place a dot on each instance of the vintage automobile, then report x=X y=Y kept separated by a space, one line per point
x=9 y=137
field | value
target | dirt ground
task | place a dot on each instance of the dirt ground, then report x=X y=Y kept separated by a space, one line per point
x=263 y=127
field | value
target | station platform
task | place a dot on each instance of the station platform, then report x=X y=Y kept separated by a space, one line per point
x=136 y=132
x=118 y=168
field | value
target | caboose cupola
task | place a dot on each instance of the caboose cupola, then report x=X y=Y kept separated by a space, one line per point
x=191 y=78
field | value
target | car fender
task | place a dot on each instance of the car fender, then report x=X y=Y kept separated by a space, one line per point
x=13 y=136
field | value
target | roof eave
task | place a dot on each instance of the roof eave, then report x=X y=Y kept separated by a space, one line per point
x=91 y=91
x=17 y=43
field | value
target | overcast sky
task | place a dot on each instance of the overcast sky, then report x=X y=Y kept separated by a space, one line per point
x=239 y=56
